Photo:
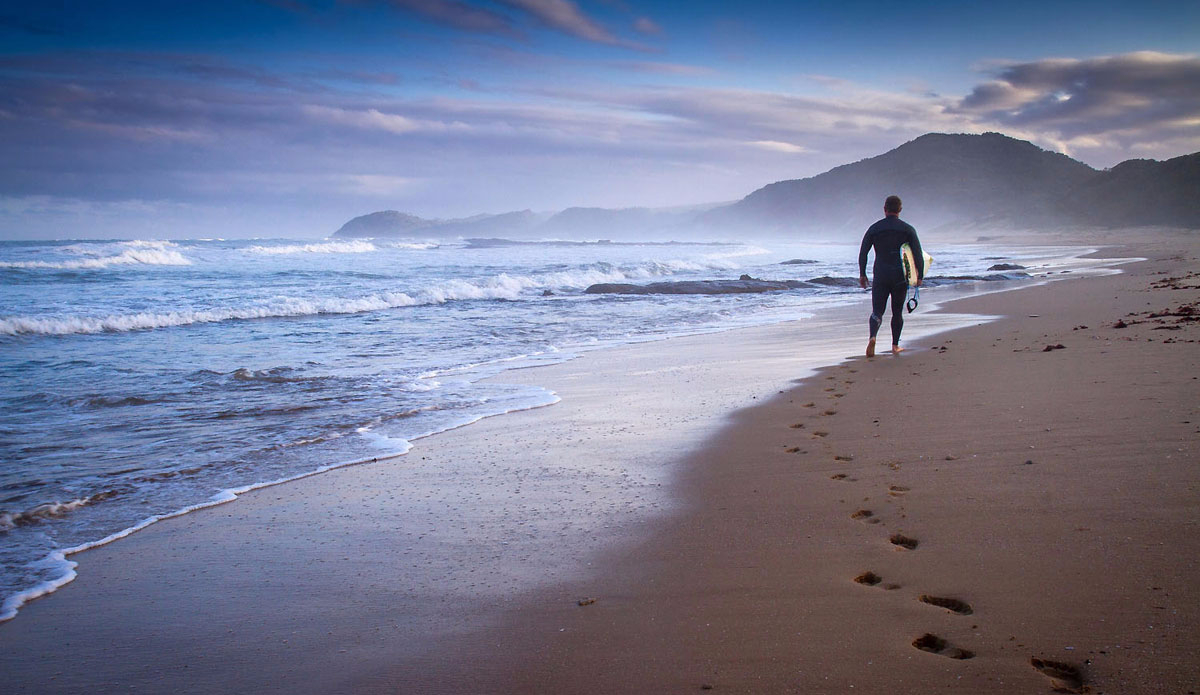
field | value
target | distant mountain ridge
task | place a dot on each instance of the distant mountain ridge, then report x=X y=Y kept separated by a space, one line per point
x=391 y=223
x=975 y=180
x=946 y=181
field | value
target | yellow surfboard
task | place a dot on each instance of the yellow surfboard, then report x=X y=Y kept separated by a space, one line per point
x=909 y=263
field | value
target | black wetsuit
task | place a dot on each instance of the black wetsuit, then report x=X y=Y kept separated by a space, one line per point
x=887 y=235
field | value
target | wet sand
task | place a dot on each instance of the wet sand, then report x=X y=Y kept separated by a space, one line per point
x=1006 y=508
x=1043 y=502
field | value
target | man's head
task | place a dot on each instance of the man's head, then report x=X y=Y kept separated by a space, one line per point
x=891 y=206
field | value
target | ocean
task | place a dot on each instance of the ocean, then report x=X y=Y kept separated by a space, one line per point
x=147 y=378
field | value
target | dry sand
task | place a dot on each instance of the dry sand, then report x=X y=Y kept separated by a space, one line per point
x=1054 y=493
x=1049 y=497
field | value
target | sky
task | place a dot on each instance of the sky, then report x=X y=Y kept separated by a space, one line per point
x=285 y=118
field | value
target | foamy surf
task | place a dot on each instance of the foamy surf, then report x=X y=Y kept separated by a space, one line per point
x=276 y=364
x=138 y=253
x=64 y=569
x=327 y=247
x=499 y=287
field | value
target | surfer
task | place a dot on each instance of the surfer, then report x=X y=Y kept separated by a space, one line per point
x=888 y=280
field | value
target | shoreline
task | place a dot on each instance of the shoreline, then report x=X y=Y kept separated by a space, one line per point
x=904 y=553
x=61 y=558
x=685 y=440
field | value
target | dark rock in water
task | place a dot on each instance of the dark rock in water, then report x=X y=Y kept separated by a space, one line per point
x=834 y=282
x=697 y=287
x=547 y=293
x=797 y=261
x=1007 y=266
x=936 y=280
x=745 y=277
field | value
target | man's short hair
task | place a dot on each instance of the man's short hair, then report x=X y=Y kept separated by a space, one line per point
x=892 y=204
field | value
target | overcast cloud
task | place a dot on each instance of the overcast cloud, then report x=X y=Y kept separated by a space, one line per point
x=1143 y=104
x=184 y=140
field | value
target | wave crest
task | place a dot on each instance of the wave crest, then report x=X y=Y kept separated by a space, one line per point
x=135 y=253
x=326 y=247
x=499 y=287
x=49 y=510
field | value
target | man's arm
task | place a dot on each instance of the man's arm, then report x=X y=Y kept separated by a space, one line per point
x=862 y=259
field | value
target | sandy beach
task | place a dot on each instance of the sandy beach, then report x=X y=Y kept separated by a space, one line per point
x=1010 y=506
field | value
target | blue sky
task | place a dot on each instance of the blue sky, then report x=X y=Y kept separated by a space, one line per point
x=287 y=117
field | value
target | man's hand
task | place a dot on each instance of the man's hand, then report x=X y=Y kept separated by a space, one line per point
x=919 y=281
x=862 y=281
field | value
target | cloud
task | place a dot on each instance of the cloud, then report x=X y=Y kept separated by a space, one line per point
x=1121 y=101
x=154 y=128
x=565 y=16
x=646 y=25
x=373 y=185
x=370 y=119
x=461 y=16
x=558 y=15
x=659 y=68
x=776 y=146
x=360 y=77
x=219 y=71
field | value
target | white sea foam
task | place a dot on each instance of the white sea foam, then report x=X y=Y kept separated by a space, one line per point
x=57 y=560
x=48 y=510
x=502 y=286
x=134 y=253
x=605 y=272
x=739 y=253
x=392 y=445
x=356 y=246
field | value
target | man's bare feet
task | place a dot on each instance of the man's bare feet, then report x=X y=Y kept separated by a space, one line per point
x=896 y=349
x=871 y=347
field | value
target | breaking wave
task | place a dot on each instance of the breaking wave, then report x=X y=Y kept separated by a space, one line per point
x=135 y=253
x=49 y=510
x=327 y=247
x=499 y=287
x=354 y=246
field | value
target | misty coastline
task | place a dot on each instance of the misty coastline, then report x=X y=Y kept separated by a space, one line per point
x=948 y=182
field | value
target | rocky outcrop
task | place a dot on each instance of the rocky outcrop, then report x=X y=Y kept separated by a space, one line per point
x=698 y=287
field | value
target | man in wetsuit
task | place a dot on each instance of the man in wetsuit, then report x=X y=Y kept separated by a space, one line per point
x=886 y=236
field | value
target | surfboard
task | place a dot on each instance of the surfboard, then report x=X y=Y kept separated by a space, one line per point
x=909 y=263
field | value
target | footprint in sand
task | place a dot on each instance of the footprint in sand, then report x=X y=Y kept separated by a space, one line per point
x=933 y=644
x=820 y=434
x=872 y=579
x=1066 y=678
x=843 y=457
x=902 y=541
x=798 y=425
x=865 y=515
x=829 y=412
x=794 y=450
x=951 y=604
x=843 y=476
x=868 y=578
x=897 y=490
